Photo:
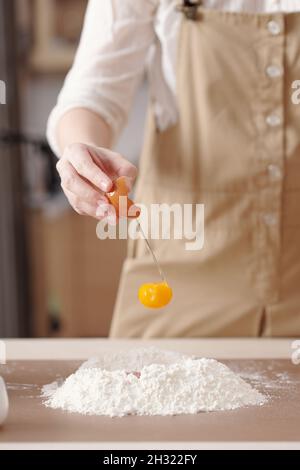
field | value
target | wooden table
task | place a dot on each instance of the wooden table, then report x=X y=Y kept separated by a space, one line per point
x=265 y=363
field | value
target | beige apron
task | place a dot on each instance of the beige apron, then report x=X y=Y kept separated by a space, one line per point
x=236 y=149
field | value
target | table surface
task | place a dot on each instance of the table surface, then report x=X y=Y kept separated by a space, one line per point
x=220 y=348
x=266 y=364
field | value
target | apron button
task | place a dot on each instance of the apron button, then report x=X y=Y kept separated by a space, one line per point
x=275 y=172
x=273 y=120
x=270 y=219
x=274 y=28
x=273 y=71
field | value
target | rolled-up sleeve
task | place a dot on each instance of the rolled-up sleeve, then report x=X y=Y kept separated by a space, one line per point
x=109 y=63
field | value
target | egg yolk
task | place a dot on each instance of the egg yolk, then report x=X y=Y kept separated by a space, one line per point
x=121 y=189
x=155 y=295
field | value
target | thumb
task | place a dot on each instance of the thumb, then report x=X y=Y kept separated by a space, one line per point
x=129 y=172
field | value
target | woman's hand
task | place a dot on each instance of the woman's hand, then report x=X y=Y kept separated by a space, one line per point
x=87 y=174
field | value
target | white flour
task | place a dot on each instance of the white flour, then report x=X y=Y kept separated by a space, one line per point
x=151 y=382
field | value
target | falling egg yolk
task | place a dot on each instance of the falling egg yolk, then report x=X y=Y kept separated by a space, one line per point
x=155 y=295
x=120 y=189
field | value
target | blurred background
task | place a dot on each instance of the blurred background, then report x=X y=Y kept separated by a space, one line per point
x=56 y=277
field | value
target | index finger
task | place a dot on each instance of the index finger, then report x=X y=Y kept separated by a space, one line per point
x=114 y=164
x=80 y=158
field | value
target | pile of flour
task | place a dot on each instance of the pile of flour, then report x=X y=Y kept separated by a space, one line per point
x=151 y=382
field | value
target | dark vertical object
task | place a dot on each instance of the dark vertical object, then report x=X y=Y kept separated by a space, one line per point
x=14 y=311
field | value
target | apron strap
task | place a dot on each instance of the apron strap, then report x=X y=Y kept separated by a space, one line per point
x=190 y=8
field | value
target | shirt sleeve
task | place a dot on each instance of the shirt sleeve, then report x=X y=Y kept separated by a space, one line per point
x=109 y=63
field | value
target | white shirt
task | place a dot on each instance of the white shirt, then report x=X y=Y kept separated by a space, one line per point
x=121 y=39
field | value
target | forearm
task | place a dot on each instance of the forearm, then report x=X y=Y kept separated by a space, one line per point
x=81 y=125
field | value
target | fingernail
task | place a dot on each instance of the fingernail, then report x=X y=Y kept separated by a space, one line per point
x=105 y=186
